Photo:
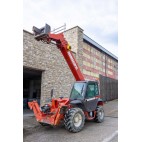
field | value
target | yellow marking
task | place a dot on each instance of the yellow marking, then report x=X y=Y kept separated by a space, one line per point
x=68 y=47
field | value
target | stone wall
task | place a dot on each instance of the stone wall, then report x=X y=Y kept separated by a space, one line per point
x=55 y=71
x=75 y=38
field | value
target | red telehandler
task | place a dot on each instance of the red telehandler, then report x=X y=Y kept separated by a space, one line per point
x=84 y=101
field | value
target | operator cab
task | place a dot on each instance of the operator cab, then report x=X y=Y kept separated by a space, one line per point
x=85 y=94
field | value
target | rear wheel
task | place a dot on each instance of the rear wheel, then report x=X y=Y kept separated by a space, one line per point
x=99 y=115
x=74 y=120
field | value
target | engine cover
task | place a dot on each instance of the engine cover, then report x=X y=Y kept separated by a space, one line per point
x=45 y=108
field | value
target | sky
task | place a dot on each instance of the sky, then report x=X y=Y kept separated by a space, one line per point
x=98 y=18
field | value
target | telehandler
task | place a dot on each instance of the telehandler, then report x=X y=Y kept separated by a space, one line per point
x=84 y=102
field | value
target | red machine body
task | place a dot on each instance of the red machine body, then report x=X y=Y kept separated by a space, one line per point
x=55 y=116
x=65 y=49
x=61 y=109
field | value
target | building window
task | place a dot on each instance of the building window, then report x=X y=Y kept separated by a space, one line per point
x=103 y=56
x=94 y=74
x=101 y=69
x=94 y=63
x=108 y=60
x=86 y=72
x=86 y=63
x=99 y=54
x=98 y=68
x=92 y=50
x=86 y=55
x=109 y=72
x=87 y=47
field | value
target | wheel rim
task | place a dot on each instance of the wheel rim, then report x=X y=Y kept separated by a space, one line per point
x=101 y=114
x=77 y=120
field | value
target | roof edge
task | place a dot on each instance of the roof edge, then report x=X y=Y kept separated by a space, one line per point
x=27 y=32
x=88 y=39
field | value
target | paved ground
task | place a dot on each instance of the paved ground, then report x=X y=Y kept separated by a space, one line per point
x=92 y=132
x=115 y=139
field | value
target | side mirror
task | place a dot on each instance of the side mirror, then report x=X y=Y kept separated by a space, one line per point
x=51 y=93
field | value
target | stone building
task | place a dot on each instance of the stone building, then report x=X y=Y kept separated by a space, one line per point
x=44 y=67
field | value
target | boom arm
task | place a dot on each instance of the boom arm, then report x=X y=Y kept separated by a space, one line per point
x=44 y=34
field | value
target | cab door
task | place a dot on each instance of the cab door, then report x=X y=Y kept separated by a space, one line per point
x=91 y=98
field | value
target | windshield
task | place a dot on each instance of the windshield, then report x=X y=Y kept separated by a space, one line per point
x=77 y=90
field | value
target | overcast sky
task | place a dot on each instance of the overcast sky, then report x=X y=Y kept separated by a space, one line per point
x=98 y=18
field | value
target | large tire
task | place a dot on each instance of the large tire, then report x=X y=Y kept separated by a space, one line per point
x=74 y=120
x=99 y=115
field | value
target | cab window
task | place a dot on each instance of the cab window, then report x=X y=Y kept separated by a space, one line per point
x=92 y=90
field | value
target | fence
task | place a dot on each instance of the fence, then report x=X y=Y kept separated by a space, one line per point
x=108 y=88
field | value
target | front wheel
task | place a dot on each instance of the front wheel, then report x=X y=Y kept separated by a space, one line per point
x=99 y=114
x=74 y=120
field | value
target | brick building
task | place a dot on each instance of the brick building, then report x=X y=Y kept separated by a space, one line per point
x=97 y=60
x=44 y=67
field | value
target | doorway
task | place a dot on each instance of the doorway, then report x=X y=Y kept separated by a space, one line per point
x=31 y=86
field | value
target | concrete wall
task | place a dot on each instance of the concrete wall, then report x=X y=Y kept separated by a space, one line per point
x=55 y=71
